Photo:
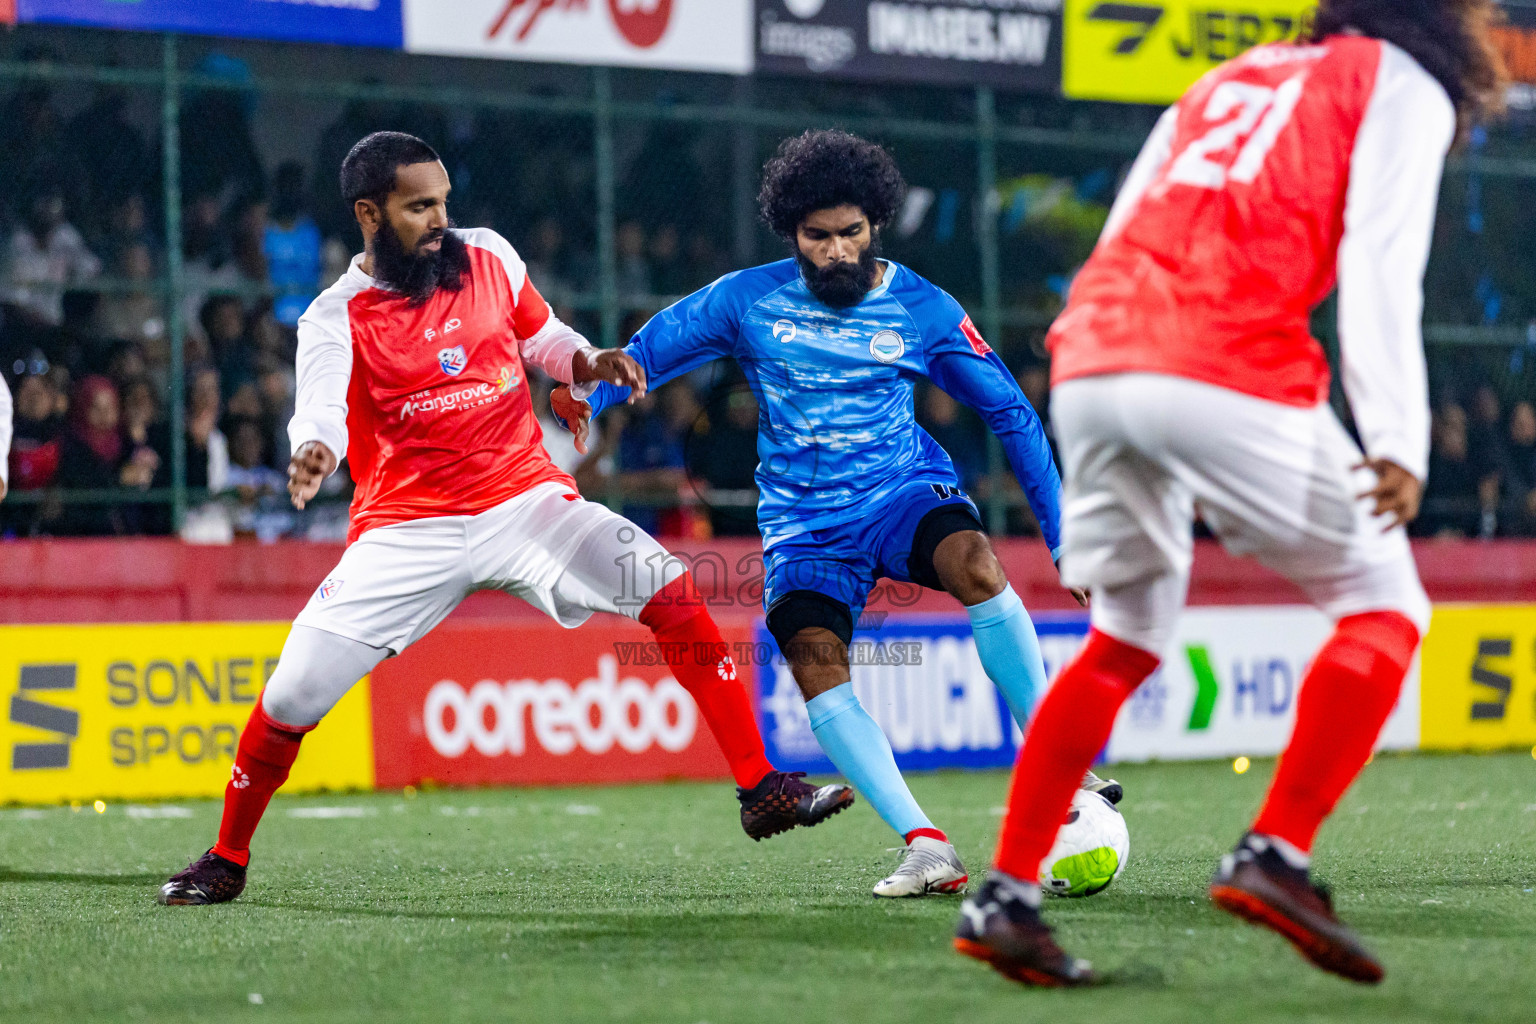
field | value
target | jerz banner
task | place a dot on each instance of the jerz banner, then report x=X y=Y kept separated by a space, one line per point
x=684 y=35
x=349 y=22
x=1010 y=44
x=1152 y=51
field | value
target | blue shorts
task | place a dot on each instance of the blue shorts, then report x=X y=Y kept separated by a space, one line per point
x=842 y=562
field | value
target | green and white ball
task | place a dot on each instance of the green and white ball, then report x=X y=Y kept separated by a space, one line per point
x=1091 y=849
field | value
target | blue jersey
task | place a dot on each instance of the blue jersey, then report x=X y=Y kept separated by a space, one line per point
x=836 y=427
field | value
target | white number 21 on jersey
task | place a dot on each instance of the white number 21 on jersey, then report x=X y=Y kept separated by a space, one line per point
x=1244 y=110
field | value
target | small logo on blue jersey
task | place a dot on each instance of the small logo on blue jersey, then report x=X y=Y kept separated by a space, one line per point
x=887 y=346
x=785 y=331
x=453 y=360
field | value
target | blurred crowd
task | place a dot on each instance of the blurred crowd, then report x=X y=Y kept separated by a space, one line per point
x=85 y=336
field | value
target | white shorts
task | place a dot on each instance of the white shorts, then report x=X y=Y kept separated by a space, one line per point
x=564 y=555
x=1142 y=452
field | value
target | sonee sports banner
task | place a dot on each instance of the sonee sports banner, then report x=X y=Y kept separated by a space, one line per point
x=147 y=712
x=1010 y=44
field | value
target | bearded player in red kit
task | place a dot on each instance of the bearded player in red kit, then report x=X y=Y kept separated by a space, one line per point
x=1185 y=377
x=412 y=366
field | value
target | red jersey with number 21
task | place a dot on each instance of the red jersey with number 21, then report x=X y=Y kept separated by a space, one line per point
x=1216 y=273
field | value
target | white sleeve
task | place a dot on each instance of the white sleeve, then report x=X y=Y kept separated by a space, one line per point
x=554 y=349
x=552 y=345
x=1155 y=153
x=1389 y=221
x=324 y=375
x=5 y=432
x=218 y=462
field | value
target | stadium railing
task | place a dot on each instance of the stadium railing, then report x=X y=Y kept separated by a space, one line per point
x=1009 y=190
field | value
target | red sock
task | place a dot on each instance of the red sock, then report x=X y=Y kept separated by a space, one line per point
x=926 y=833
x=267 y=750
x=1069 y=729
x=702 y=664
x=1345 y=699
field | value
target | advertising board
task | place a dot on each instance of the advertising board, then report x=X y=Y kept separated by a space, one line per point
x=684 y=35
x=153 y=711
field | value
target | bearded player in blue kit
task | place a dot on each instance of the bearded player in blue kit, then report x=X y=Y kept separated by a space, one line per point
x=831 y=342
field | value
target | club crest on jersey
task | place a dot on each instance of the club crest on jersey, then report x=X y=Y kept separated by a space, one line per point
x=328 y=589
x=785 y=330
x=453 y=360
x=507 y=379
x=978 y=343
x=887 y=346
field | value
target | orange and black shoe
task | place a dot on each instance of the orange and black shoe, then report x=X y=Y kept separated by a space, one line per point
x=209 y=879
x=1002 y=927
x=782 y=801
x=1255 y=883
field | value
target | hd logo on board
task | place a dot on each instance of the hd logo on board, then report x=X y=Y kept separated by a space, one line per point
x=1151 y=52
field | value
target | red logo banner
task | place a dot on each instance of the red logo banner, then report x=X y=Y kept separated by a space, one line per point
x=535 y=704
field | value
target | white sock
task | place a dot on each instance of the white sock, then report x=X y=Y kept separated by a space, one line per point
x=1027 y=893
x=1289 y=852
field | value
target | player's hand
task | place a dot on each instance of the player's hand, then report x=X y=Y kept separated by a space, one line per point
x=307 y=470
x=574 y=413
x=1397 y=492
x=1079 y=594
x=614 y=366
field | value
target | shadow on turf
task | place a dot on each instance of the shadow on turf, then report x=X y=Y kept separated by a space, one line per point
x=7 y=875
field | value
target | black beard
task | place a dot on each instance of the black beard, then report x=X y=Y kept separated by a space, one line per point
x=418 y=275
x=841 y=285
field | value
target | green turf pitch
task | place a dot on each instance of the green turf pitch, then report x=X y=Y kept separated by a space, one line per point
x=648 y=904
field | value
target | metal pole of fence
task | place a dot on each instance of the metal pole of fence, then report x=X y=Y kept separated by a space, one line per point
x=170 y=151
x=607 y=246
x=991 y=273
x=744 y=177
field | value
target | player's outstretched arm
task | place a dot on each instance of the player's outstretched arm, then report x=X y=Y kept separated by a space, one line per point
x=307 y=470
x=684 y=336
x=318 y=429
x=613 y=366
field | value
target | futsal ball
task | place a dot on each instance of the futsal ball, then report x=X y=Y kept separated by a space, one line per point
x=1091 y=849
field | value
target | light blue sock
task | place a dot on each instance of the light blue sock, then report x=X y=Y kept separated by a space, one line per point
x=1010 y=651
x=862 y=753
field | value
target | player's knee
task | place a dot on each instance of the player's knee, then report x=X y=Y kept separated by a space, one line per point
x=1417 y=609
x=818 y=659
x=290 y=705
x=969 y=569
x=674 y=606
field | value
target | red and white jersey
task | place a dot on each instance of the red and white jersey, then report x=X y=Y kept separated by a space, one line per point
x=430 y=404
x=1277 y=174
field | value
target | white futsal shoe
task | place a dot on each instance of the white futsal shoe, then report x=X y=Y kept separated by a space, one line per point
x=927 y=866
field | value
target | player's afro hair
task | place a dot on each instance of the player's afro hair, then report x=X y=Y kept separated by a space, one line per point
x=1451 y=39
x=822 y=169
x=369 y=170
